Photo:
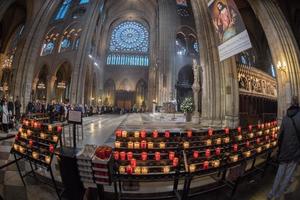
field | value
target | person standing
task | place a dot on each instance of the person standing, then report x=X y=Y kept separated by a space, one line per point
x=5 y=116
x=18 y=109
x=289 y=150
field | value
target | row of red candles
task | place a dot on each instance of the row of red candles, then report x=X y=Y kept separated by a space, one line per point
x=167 y=133
x=157 y=155
x=38 y=125
x=143 y=143
x=31 y=144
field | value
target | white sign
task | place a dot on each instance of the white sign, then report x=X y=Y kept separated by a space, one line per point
x=75 y=116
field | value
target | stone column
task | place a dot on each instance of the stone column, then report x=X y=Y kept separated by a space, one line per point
x=283 y=48
x=220 y=88
x=50 y=88
x=196 y=90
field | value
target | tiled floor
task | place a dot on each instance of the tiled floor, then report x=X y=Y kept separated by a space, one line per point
x=98 y=130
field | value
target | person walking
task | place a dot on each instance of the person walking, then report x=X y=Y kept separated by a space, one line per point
x=18 y=109
x=289 y=150
x=5 y=116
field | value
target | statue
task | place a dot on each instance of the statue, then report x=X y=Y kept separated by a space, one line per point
x=196 y=90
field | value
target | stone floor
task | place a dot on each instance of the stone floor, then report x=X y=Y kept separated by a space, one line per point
x=99 y=130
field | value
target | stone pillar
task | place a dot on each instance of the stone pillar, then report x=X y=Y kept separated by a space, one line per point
x=219 y=88
x=166 y=56
x=50 y=88
x=284 y=49
x=196 y=90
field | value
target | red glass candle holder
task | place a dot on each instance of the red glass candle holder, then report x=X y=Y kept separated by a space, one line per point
x=239 y=129
x=157 y=156
x=133 y=163
x=51 y=148
x=210 y=132
x=155 y=134
x=143 y=144
x=235 y=147
x=116 y=155
x=175 y=162
x=30 y=143
x=171 y=155
x=205 y=165
x=250 y=128
x=207 y=153
x=118 y=133
x=129 y=155
x=189 y=133
x=257 y=140
x=123 y=155
x=144 y=156
x=218 y=151
x=196 y=154
x=227 y=131
x=143 y=134
x=247 y=144
x=167 y=134
x=59 y=129
x=129 y=169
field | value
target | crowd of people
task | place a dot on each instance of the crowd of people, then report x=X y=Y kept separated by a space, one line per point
x=10 y=111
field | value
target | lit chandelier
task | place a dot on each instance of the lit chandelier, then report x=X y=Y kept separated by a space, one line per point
x=61 y=85
x=41 y=86
x=4 y=87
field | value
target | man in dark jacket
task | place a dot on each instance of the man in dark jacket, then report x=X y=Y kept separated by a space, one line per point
x=289 y=150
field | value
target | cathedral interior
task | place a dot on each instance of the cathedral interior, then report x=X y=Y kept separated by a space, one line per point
x=167 y=99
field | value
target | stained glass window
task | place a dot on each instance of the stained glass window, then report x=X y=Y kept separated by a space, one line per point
x=83 y=1
x=196 y=47
x=65 y=44
x=47 y=48
x=63 y=9
x=129 y=45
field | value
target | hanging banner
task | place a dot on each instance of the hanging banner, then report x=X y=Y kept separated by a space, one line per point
x=181 y=3
x=230 y=28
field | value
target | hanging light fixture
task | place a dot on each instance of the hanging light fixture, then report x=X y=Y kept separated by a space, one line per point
x=4 y=87
x=61 y=85
x=41 y=86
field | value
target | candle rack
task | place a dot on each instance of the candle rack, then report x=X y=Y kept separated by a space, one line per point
x=36 y=142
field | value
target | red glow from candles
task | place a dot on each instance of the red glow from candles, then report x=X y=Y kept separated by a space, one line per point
x=175 y=161
x=30 y=143
x=143 y=134
x=207 y=153
x=259 y=126
x=218 y=151
x=116 y=155
x=129 y=169
x=171 y=155
x=250 y=128
x=262 y=126
x=35 y=125
x=59 y=129
x=144 y=156
x=143 y=144
x=239 y=129
x=17 y=137
x=133 y=163
x=247 y=143
x=157 y=156
x=258 y=140
x=118 y=133
x=123 y=155
x=227 y=130
x=196 y=154
x=205 y=165
x=51 y=148
x=210 y=132
x=167 y=134
x=189 y=133
x=155 y=134
x=129 y=155
x=267 y=137
x=235 y=147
